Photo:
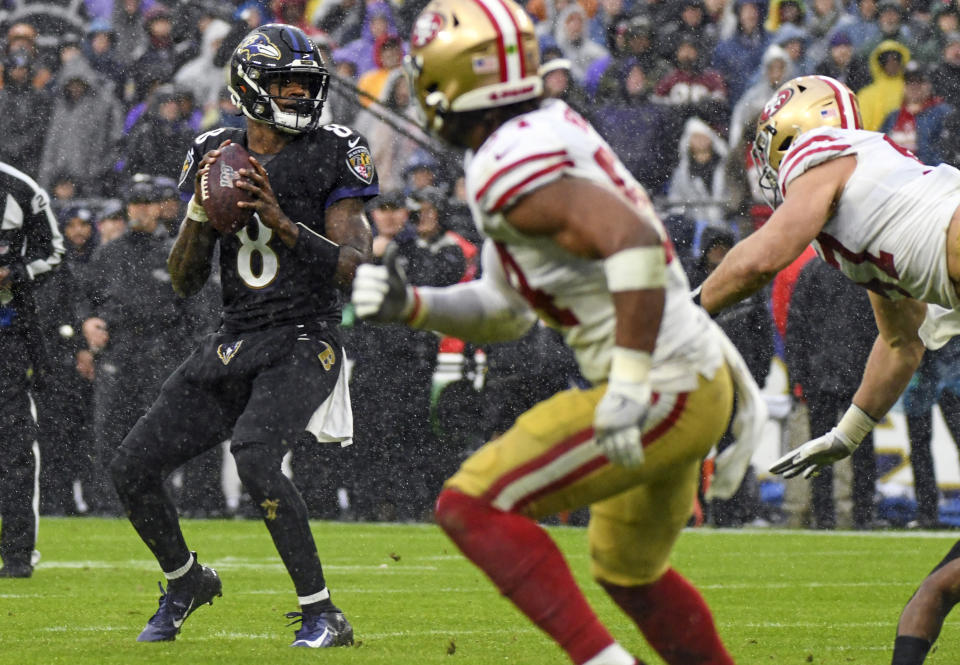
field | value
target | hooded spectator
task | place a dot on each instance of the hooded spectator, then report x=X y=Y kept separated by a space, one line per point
x=697 y=187
x=884 y=95
x=784 y=12
x=25 y=111
x=944 y=19
x=794 y=41
x=692 y=89
x=777 y=69
x=200 y=75
x=388 y=58
x=100 y=51
x=155 y=146
x=84 y=129
x=573 y=40
x=864 y=26
x=127 y=24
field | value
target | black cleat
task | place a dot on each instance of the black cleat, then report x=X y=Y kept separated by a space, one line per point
x=327 y=629
x=176 y=606
x=16 y=570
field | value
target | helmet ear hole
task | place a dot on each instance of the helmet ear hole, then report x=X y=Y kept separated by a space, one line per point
x=786 y=144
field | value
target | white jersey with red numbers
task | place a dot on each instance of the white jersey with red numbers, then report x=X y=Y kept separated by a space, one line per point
x=889 y=229
x=570 y=292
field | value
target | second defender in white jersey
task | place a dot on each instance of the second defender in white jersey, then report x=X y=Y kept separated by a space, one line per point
x=888 y=222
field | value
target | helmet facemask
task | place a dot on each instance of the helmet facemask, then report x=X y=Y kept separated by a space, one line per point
x=767 y=174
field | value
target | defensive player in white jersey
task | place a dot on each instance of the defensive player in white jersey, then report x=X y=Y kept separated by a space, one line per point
x=571 y=237
x=888 y=222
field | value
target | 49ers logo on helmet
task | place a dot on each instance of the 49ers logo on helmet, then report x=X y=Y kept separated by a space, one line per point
x=776 y=104
x=428 y=25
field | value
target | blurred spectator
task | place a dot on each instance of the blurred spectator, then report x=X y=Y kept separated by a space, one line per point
x=558 y=82
x=890 y=27
x=945 y=19
x=25 y=111
x=950 y=137
x=64 y=397
x=84 y=129
x=738 y=56
x=785 y=12
x=641 y=132
x=885 y=94
x=826 y=308
x=50 y=18
x=864 y=26
x=342 y=20
x=573 y=40
x=200 y=76
x=111 y=223
x=23 y=36
x=342 y=102
x=171 y=206
x=155 y=144
x=226 y=113
x=136 y=326
x=839 y=58
x=776 y=69
x=825 y=19
x=691 y=89
x=421 y=170
x=946 y=76
x=697 y=187
x=157 y=61
x=917 y=124
x=435 y=255
x=378 y=23
x=127 y=24
x=389 y=215
x=690 y=19
x=603 y=23
x=936 y=381
x=793 y=40
x=750 y=328
x=631 y=44
x=389 y=148
x=388 y=56
x=100 y=51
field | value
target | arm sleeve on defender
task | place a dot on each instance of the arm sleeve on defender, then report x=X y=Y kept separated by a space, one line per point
x=482 y=311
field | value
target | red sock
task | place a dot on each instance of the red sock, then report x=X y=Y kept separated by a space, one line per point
x=527 y=567
x=674 y=618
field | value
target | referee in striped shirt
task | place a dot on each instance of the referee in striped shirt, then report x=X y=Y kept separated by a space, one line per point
x=30 y=247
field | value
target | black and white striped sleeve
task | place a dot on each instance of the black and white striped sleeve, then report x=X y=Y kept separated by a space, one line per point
x=28 y=207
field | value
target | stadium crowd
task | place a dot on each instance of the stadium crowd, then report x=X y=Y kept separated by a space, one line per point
x=101 y=100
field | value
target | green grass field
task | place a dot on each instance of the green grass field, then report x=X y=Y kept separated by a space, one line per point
x=779 y=597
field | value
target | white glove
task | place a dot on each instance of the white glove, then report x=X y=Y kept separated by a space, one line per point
x=812 y=456
x=618 y=422
x=380 y=292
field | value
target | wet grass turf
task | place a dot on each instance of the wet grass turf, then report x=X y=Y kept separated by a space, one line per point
x=778 y=597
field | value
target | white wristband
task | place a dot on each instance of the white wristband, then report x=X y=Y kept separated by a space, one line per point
x=856 y=424
x=629 y=365
x=636 y=268
x=196 y=212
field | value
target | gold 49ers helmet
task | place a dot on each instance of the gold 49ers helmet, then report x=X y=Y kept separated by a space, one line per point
x=801 y=104
x=467 y=55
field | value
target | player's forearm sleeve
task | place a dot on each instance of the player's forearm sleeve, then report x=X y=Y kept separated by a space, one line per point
x=472 y=311
x=321 y=253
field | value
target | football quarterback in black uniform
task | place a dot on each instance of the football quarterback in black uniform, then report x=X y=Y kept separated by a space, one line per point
x=274 y=369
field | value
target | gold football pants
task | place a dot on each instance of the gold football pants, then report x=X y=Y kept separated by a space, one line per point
x=548 y=462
